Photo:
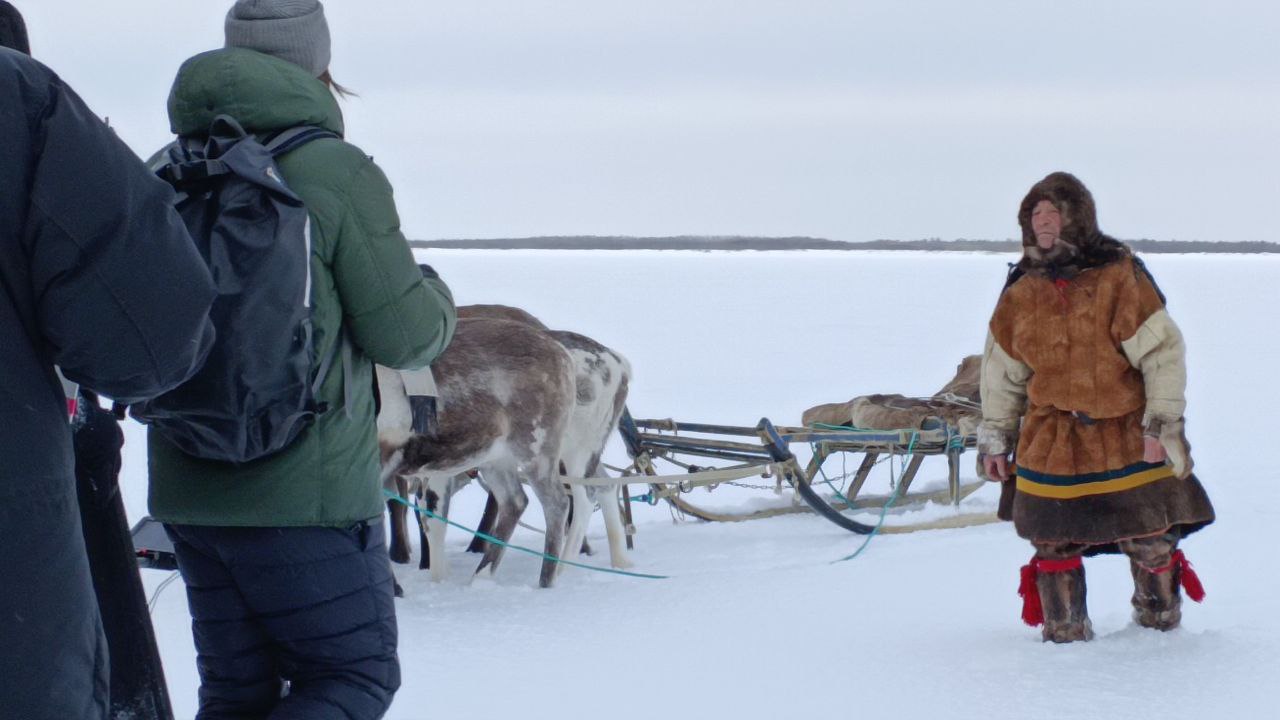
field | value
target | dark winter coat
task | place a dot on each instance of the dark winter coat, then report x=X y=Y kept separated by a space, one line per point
x=364 y=282
x=1081 y=360
x=13 y=29
x=98 y=276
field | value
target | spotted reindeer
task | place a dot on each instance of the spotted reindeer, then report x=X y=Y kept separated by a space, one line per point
x=506 y=392
x=601 y=378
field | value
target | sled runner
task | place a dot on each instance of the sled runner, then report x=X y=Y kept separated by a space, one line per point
x=766 y=451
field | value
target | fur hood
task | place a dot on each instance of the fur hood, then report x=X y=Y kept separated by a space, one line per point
x=1084 y=245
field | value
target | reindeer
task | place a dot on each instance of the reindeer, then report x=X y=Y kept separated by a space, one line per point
x=501 y=312
x=602 y=378
x=601 y=382
x=506 y=394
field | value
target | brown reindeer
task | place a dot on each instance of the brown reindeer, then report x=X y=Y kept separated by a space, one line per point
x=601 y=382
x=500 y=312
x=602 y=378
x=506 y=393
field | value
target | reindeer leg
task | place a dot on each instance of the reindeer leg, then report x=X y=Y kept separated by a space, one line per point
x=579 y=517
x=424 y=544
x=511 y=500
x=486 y=526
x=398 y=550
x=436 y=500
x=593 y=493
x=614 y=527
x=586 y=546
x=555 y=508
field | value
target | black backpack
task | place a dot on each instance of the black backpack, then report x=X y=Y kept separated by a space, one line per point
x=257 y=389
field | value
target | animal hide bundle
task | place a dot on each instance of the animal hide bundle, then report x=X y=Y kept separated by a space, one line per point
x=955 y=404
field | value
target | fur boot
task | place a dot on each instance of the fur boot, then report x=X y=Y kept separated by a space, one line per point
x=1157 y=601
x=1062 y=597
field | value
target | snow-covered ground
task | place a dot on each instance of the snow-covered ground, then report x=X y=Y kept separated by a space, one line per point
x=755 y=621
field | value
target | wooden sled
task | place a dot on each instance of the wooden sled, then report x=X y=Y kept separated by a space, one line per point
x=765 y=450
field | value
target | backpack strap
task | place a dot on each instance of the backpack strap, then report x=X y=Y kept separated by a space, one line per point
x=288 y=140
x=183 y=163
x=183 y=174
x=348 y=373
x=279 y=144
x=341 y=347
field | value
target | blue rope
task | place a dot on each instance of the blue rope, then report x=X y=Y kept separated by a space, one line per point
x=489 y=538
x=885 y=510
x=813 y=447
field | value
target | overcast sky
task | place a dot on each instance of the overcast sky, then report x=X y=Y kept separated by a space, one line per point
x=847 y=120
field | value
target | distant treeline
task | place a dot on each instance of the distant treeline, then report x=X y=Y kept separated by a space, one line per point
x=736 y=242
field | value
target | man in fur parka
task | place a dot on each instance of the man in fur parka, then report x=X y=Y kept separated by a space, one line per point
x=1083 y=381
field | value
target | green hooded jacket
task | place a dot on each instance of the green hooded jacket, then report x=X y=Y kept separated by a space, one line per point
x=364 y=281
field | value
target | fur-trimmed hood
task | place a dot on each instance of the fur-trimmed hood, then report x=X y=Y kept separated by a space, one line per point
x=1087 y=246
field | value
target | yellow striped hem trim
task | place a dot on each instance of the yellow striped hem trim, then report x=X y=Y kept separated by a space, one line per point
x=1102 y=487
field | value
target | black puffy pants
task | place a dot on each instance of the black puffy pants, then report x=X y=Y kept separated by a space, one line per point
x=309 y=606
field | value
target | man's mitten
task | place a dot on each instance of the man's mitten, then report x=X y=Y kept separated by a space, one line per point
x=1173 y=438
x=97 y=439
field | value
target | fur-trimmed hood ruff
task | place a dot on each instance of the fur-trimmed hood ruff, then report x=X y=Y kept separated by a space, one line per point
x=1081 y=246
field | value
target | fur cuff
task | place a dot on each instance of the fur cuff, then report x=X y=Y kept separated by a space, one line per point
x=996 y=441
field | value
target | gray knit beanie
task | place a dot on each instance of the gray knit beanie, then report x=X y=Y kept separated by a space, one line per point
x=293 y=30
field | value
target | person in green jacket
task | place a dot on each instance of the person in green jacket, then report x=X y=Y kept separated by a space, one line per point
x=288 y=580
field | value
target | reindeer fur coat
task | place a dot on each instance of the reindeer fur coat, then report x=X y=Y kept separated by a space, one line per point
x=1082 y=359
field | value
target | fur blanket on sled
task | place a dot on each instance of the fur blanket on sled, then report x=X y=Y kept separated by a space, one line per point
x=892 y=412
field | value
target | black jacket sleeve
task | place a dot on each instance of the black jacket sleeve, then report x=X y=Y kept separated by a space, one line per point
x=121 y=294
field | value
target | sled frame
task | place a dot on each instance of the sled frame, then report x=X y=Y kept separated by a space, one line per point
x=768 y=448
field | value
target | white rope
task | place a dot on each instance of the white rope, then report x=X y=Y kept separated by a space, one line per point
x=155 y=597
x=702 y=477
x=959 y=400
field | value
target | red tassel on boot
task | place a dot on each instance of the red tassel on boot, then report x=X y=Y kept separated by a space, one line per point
x=1032 y=610
x=1190 y=581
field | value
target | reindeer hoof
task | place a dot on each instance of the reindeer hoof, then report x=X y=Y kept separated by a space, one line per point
x=399 y=591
